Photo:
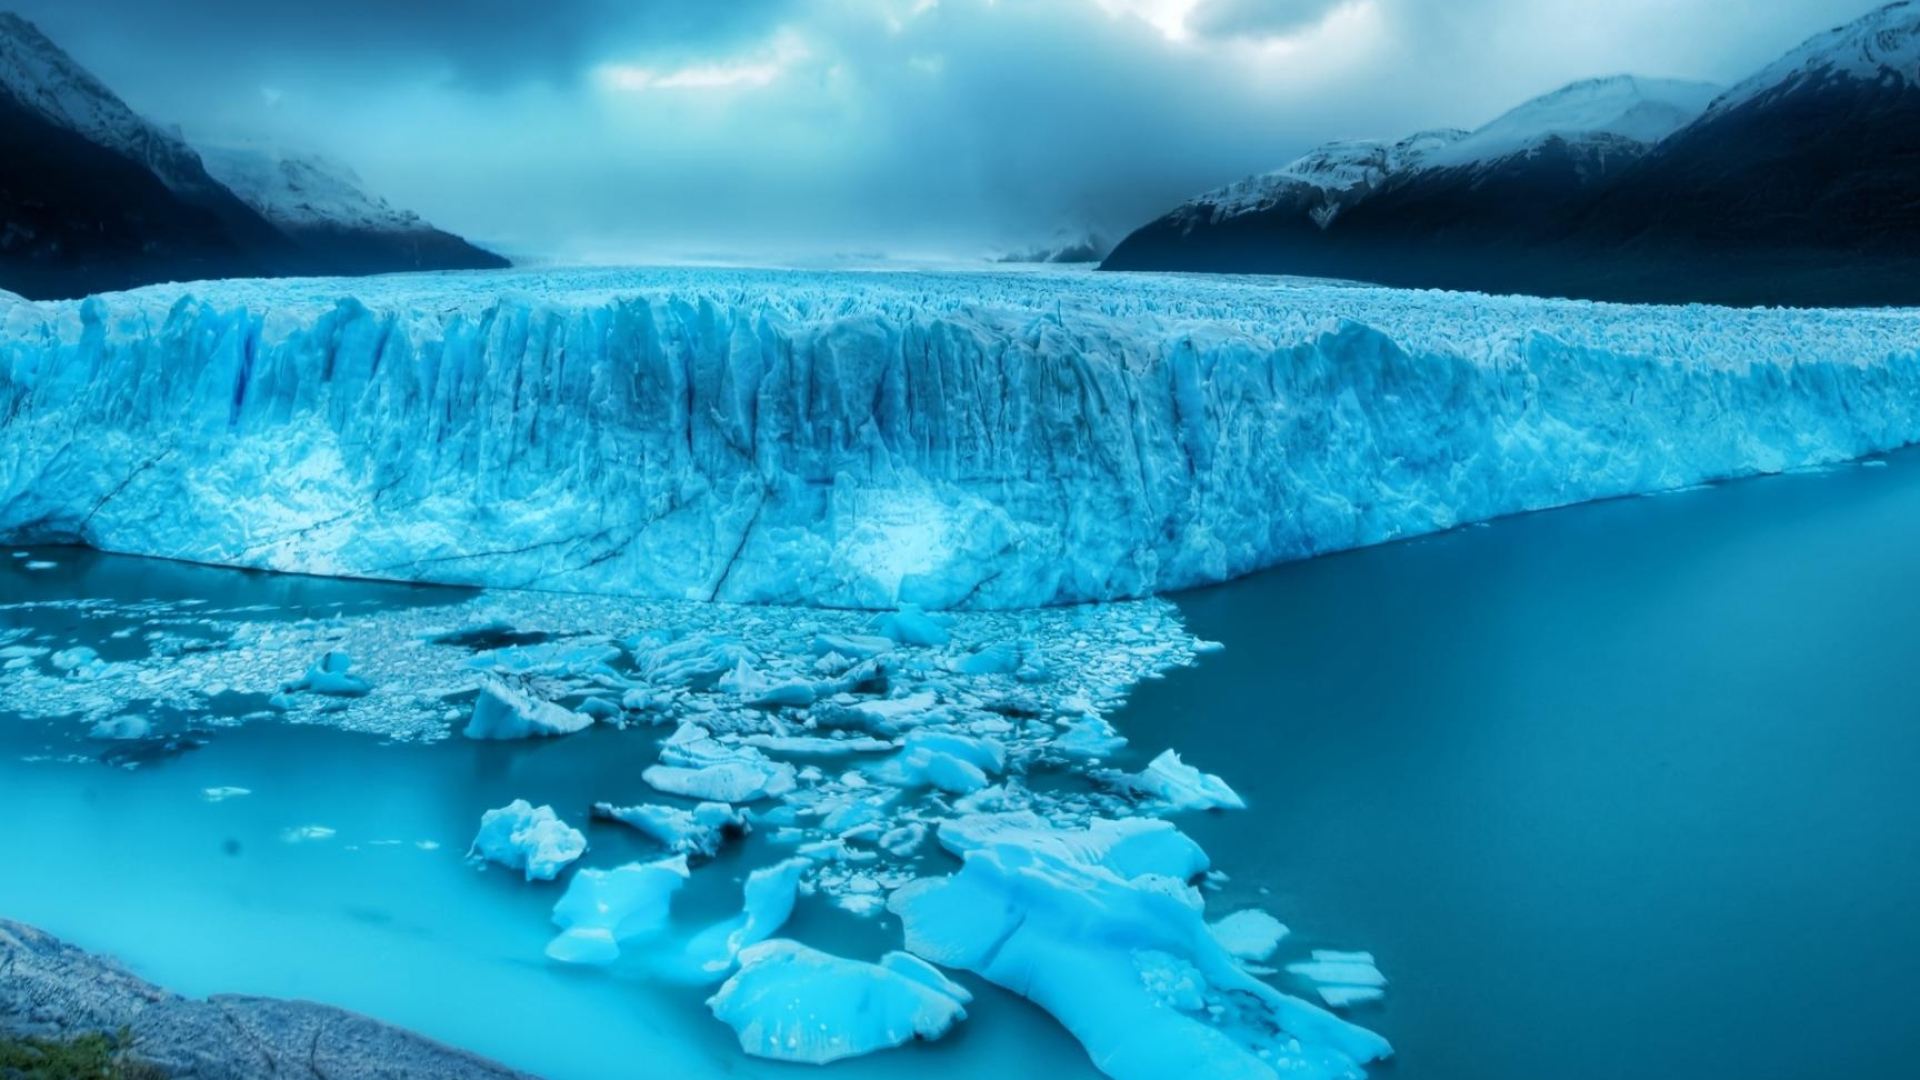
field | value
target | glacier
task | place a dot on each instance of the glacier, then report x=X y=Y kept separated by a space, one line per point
x=874 y=440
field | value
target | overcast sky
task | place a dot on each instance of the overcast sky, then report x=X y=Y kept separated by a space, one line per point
x=778 y=129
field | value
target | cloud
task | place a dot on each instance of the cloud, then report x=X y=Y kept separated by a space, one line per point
x=1256 y=18
x=763 y=129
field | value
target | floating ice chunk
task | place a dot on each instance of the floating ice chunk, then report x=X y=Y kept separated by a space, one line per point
x=912 y=626
x=1342 y=997
x=818 y=745
x=1249 y=935
x=41 y=564
x=300 y=834
x=699 y=831
x=696 y=765
x=1002 y=658
x=852 y=646
x=78 y=660
x=521 y=836
x=903 y=840
x=603 y=908
x=767 y=903
x=506 y=712
x=1183 y=787
x=954 y=763
x=559 y=658
x=698 y=660
x=1089 y=738
x=1332 y=968
x=329 y=675
x=1091 y=926
x=21 y=652
x=792 y=1003
x=122 y=728
x=222 y=794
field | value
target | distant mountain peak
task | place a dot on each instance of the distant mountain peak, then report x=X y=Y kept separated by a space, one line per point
x=1630 y=108
x=45 y=80
x=1881 y=46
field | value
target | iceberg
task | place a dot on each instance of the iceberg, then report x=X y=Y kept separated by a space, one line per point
x=601 y=909
x=506 y=712
x=1102 y=928
x=1183 y=787
x=520 y=836
x=793 y=1003
x=974 y=440
x=695 y=765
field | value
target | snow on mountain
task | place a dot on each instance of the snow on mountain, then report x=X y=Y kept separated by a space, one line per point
x=303 y=190
x=982 y=439
x=1881 y=47
x=1627 y=108
x=1326 y=175
x=43 y=78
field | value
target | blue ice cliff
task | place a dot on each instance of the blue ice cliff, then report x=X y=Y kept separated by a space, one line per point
x=864 y=440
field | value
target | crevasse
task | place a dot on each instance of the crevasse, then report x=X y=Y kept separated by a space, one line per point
x=864 y=440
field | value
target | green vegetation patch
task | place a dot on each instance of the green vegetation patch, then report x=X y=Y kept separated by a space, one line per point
x=94 y=1056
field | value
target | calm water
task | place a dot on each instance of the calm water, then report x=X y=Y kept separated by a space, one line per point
x=1624 y=790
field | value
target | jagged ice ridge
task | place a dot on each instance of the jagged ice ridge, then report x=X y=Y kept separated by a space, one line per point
x=862 y=440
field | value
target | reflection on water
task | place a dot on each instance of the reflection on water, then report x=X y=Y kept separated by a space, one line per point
x=1621 y=791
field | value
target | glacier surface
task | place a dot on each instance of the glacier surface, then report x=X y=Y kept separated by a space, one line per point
x=865 y=440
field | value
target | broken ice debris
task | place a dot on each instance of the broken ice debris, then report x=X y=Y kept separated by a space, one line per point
x=507 y=712
x=520 y=836
x=793 y=1003
x=1342 y=978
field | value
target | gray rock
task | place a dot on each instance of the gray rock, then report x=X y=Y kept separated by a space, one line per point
x=49 y=988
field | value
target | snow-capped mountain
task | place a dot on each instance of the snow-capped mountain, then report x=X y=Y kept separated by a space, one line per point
x=1325 y=179
x=1795 y=186
x=1882 y=48
x=94 y=196
x=1066 y=247
x=1623 y=113
x=325 y=206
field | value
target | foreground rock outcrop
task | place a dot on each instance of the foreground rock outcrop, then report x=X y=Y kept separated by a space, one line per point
x=51 y=989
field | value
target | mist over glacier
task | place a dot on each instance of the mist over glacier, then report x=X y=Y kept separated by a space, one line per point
x=864 y=440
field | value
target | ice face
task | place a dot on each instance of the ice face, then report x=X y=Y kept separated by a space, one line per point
x=1101 y=928
x=793 y=1003
x=862 y=440
x=521 y=836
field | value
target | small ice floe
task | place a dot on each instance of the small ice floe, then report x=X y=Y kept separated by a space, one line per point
x=1098 y=927
x=789 y=1002
x=520 y=836
x=602 y=909
x=912 y=626
x=1183 y=787
x=558 y=659
x=1874 y=463
x=41 y=564
x=301 y=834
x=329 y=676
x=222 y=794
x=818 y=745
x=958 y=764
x=122 y=728
x=506 y=712
x=1248 y=935
x=697 y=661
x=1341 y=978
x=427 y=845
x=80 y=662
x=695 y=765
x=699 y=831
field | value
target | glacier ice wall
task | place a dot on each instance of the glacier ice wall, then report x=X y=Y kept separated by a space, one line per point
x=863 y=439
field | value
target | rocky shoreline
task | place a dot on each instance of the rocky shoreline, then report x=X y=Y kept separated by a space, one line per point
x=51 y=989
